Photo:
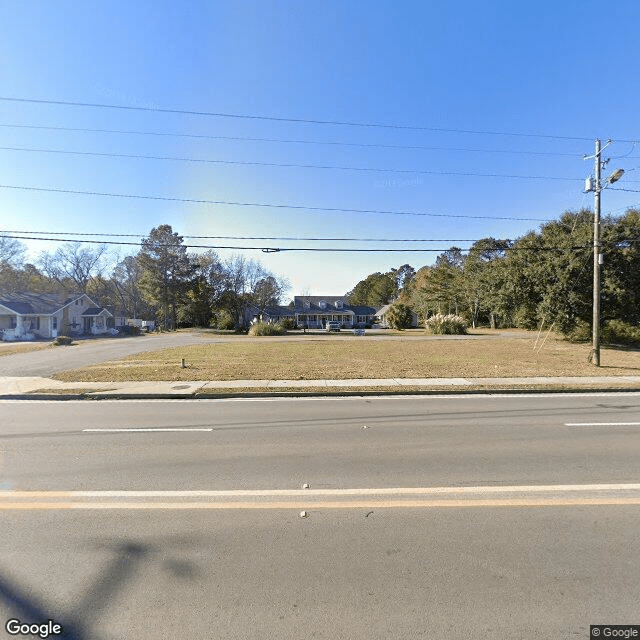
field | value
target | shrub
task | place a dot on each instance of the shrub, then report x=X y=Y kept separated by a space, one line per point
x=619 y=332
x=287 y=323
x=399 y=316
x=224 y=321
x=581 y=332
x=62 y=340
x=266 y=329
x=129 y=330
x=446 y=325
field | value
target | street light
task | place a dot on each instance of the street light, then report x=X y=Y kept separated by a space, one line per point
x=596 y=187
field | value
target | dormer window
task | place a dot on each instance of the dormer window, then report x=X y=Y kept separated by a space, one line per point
x=307 y=304
x=338 y=304
x=323 y=304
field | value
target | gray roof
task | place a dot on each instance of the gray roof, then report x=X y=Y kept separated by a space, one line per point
x=94 y=311
x=44 y=304
x=314 y=305
x=25 y=303
x=279 y=310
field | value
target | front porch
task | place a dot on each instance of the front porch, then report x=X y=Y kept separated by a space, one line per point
x=319 y=320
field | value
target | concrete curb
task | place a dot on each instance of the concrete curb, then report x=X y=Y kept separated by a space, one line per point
x=313 y=394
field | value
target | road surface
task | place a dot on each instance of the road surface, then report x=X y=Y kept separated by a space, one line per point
x=458 y=516
x=47 y=362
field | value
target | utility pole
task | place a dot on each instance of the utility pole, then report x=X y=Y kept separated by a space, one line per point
x=596 y=186
x=597 y=260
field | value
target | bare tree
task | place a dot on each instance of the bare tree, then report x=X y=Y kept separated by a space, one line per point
x=12 y=252
x=74 y=264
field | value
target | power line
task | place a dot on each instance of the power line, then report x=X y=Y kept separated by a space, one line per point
x=283 y=119
x=283 y=249
x=293 y=165
x=262 y=204
x=290 y=238
x=290 y=141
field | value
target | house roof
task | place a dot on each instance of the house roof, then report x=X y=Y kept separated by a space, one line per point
x=94 y=311
x=314 y=305
x=26 y=303
x=279 y=310
x=361 y=310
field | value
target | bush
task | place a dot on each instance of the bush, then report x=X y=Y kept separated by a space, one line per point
x=581 y=332
x=399 y=316
x=619 y=332
x=266 y=329
x=446 y=325
x=129 y=330
x=62 y=340
x=224 y=321
x=287 y=324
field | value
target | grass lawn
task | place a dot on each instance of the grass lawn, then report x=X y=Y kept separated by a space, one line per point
x=485 y=354
x=9 y=348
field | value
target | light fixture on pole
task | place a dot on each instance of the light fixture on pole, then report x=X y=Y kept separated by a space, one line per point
x=595 y=185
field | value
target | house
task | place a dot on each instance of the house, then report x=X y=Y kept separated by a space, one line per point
x=313 y=312
x=27 y=316
x=272 y=314
x=382 y=322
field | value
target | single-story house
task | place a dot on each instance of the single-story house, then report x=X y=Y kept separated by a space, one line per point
x=313 y=312
x=27 y=316
x=272 y=314
x=382 y=322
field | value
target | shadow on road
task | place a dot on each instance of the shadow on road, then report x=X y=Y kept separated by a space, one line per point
x=129 y=556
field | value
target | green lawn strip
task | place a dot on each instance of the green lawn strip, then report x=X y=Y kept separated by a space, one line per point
x=362 y=358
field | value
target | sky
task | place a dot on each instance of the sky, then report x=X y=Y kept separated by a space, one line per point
x=288 y=125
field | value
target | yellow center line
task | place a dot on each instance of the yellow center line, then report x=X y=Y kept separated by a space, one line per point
x=342 y=504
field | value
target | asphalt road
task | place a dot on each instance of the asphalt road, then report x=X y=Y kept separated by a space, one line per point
x=46 y=362
x=462 y=517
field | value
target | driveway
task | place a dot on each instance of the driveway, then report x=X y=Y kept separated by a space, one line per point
x=46 y=362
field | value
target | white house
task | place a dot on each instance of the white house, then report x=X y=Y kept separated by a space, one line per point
x=314 y=312
x=27 y=316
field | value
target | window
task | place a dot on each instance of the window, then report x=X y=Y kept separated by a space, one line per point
x=323 y=304
x=54 y=322
x=38 y=323
x=13 y=323
x=338 y=304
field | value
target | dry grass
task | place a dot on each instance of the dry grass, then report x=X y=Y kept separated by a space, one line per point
x=8 y=348
x=319 y=357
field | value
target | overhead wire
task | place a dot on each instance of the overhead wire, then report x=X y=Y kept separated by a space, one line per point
x=280 y=249
x=289 y=141
x=244 y=116
x=260 y=204
x=290 y=238
x=294 y=165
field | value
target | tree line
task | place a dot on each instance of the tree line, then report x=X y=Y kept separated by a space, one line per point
x=162 y=280
x=544 y=278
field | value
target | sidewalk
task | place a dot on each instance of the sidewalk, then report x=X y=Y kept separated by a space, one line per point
x=36 y=387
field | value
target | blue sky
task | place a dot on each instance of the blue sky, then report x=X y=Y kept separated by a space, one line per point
x=491 y=88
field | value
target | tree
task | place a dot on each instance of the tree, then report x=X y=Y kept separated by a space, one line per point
x=268 y=292
x=126 y=284
x=376 y=290
x=439 y=288
x=482 y=278
x=12 y=253
x=399 y=316
x=203 y=290
x=166 y=269
x=74 y=264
